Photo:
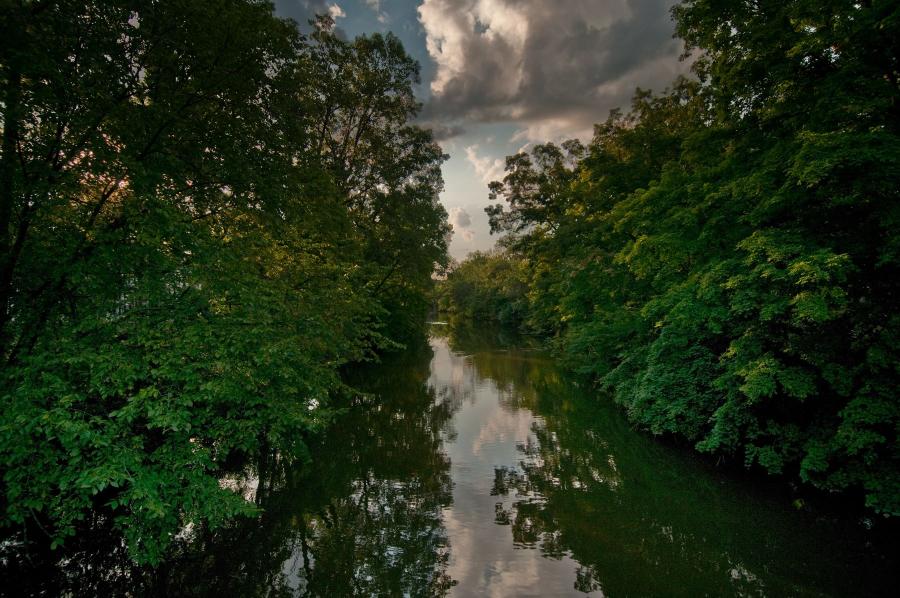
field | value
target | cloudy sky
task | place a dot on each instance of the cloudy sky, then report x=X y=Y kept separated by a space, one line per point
x=498 y=75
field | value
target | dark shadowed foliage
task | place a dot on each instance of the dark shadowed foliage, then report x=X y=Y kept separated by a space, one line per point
x=203 y=215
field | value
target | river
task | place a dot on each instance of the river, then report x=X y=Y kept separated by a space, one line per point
x=474 y=466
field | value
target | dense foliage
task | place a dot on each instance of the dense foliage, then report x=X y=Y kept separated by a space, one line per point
x=486 y=286
x=203 y=214
x=724 y=257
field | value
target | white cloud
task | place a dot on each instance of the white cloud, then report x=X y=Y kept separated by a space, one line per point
x=375 y=5
x=456 y=28
x=459 y=217
x=487 y=168
x=336 y=11
x=555 y=67
x=461 y=223
x=553 y=129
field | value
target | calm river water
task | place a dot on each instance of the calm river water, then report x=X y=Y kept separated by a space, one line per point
x=474 y=468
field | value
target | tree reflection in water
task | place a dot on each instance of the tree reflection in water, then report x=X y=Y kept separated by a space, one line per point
x=644 y=518
x=550 y=488
x=362 y=518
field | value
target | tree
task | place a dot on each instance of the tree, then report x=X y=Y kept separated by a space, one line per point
x=724 y=257
x=358 y=109
x=182 y=272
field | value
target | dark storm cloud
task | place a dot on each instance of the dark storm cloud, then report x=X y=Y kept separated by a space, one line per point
x=548 y=65
x=442 y=131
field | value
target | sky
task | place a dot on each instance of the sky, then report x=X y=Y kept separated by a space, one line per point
x=501 y=75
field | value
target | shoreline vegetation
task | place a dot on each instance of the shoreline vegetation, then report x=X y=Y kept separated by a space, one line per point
x=722 y=259
x=205 y=214
x=208 y=217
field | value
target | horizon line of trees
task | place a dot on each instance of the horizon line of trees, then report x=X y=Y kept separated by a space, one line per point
x=724 y=257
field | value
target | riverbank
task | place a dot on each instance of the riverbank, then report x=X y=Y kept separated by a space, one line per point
x=475 y=465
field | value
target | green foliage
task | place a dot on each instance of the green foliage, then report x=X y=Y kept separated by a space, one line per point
x=724 y=257
x=201 y=219
x=486 y=286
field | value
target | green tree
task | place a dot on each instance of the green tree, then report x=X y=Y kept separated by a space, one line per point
x=724 y=256
x=183 y=273
x=486 y=286
x=358 y=99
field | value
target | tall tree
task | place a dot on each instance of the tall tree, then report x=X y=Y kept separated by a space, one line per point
x=724 y=257
x=182 y=272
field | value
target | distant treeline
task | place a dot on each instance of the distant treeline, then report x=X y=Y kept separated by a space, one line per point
x=203 y=215
x=724 y=258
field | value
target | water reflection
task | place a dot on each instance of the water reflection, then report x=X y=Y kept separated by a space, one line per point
x=474 y=467
x=613 y=512
x=489 y=429
x=363 y=519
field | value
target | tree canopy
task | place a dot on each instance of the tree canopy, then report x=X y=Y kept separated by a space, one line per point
x=723 y=257
x=203 y=215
